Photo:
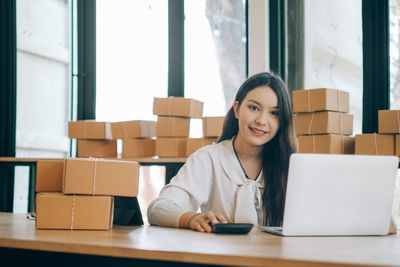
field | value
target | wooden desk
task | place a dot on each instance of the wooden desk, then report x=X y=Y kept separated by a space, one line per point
x=150 y=243
x=172 y=166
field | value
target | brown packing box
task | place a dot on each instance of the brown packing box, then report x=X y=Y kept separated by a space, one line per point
x=89 y=129
x=173 y=127
x=49 y=175
x=325 y=122
x=389 y=121
x=326 y=144
x=212 y=126
x=135 y=148
x=321 y=99
x=133 y=129
x=170 y=147
x=97 y=148
x=192 y=144
x=178 y=106
x=375 y=144
x=397 y=149
x=101 y=177
x=58 y=211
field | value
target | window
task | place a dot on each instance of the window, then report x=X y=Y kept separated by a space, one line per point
x=215 y=52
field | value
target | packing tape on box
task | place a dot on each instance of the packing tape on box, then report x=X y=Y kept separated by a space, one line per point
x=125 y=130
x=94 y=176
x=311 y=121
x=375 y=144
x=73 y=212
x=342 y=144
x=313 y=143
x=308 y=100
x=340 y=123
x=337 y=99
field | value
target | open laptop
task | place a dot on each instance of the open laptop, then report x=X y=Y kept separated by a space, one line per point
x=331 y=194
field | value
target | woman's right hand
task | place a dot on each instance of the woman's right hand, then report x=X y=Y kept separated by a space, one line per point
x=201 y=221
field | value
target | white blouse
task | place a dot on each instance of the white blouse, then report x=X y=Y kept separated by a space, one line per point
x=213 y=180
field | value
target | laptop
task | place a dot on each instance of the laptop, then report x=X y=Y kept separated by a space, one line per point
x=330 y=195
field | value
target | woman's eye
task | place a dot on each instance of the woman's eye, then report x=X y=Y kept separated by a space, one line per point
x=275 y=113
x=253 y=108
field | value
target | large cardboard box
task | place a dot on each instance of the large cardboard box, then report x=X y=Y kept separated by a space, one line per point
x=137 y=148
x=58 y=211
x=178 y=106
x=325 y=122
x=133 y=129
x=97 y=148
x=192 y=144
x=49 y=175
x=212 y=126
x=375 y=144
x=89 y=129
x=321 y=99
x=173 y=127
x=389 y=121
x=101 y=177
x=170 y=147
x=326 y=144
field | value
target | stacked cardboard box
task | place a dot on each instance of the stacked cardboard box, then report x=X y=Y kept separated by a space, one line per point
x=387 y=141
x=137 y=137
x=212 y=128
x=78 y=193
x=173 y=124
x=94 y=138
x=322 y=121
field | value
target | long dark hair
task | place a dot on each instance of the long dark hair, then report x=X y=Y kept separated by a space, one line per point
x=276 y=153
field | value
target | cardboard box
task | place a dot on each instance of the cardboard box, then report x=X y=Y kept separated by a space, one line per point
x=49 y=175
x=58 y=211
x=89 y=129
x=97 y=148
x=321 y=99
x=326 y=144
x=101 y=177
x=173 y=127
x=137 y=148
x=325 y=122
x=133 y=129
x=389 y=121
x=170 y=147
x=178 y=106
x=192 y=144
x=375 y=144
x=397 y=149
x=212 y=126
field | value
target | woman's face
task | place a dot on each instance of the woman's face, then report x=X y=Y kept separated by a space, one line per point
x=258 y=116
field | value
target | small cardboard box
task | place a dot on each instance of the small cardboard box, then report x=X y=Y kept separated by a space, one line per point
x=173 y=127
x=325 y=122
x=397 y=150
x=326 y=144
x=170 y=147
x=89 y=129
x=136 y=148
x=58 y=211
x=389 y=121
x=192 y=144
x=212 y=126
x=101 y=177
x=49 y=175
x=321 y=99
x=97 y=148
x=178 y=106
x=133 y=129
x=375 y=144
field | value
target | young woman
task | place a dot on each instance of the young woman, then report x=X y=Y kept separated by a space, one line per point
x=243 y=177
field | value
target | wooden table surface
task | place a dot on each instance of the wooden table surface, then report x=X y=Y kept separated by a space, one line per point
x=140 y=160
x=181 y=245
